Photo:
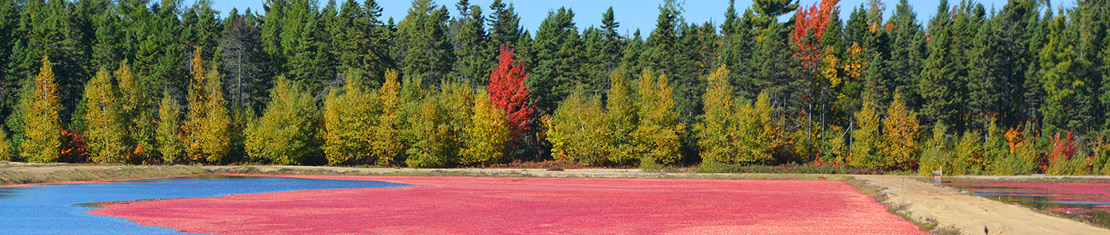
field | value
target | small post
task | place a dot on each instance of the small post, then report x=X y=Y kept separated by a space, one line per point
x=937 y=176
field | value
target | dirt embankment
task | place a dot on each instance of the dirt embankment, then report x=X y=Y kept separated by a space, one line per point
x=969 y=213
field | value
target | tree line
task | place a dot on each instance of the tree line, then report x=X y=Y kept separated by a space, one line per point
x=974 y=90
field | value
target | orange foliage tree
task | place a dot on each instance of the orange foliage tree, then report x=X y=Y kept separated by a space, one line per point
x=507 y=91
x=809 y=26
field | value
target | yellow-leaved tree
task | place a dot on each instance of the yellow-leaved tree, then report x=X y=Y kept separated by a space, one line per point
x=487 y=135
x=207 y=124
x=866 y=142
x=386 y=143
x=287 y=131
x=42 y=130
x=757 y=131
x=169 y=135
x=658 y=135
x=349 y=117
x=900 y=135
x=106 y=135
x=621 y=112
x=717 y=132
x=137 y=114
x=579 y=130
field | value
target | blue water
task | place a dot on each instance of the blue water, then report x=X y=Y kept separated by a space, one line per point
x=60 y=208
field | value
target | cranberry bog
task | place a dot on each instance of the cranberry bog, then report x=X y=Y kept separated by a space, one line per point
x=1085 y=200
x=523 y=205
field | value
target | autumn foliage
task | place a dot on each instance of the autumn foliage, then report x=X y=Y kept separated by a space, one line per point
x=507 y=91
x=811 y=23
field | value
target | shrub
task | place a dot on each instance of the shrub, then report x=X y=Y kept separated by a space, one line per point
x=967 y=157
x=935 y=156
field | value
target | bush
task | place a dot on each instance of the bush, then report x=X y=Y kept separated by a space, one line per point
x=935 y=156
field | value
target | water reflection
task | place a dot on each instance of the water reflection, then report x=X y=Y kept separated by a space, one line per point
x=1086 y=201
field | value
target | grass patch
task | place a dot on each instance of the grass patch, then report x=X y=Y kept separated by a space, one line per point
x=8 y=176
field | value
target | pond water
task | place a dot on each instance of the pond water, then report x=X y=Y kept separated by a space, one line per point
x=1086 y=201
x=60 y=208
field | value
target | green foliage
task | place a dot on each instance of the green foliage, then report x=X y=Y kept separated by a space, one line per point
x=169 y=134
x=967 y=156
x=758 y=130
x=717 y=133
x=5 y=145
x=42 y=128
x=658 y=136
x=900 y=136
x=105 y=131
x=866 y=142
x=622 y=114
x=349 y=117
x=487 y=135
x=287 y=132
x=579 y=130
x=935 y=156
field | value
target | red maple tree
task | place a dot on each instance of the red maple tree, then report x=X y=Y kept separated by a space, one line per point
x=814 y=20
x=507 y=90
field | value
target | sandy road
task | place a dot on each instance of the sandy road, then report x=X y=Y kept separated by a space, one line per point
x=970 y=213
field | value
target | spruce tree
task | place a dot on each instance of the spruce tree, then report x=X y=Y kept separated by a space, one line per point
x=939 y=84
x=557 y=50
x=504 y=25
x=422 y=46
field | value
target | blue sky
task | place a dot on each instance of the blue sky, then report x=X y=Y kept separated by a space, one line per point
x=631 y=14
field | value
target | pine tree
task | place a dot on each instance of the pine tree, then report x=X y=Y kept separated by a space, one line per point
x=504 y=25
x=558 y=58
x=42 y=128
x=470 y=44
x=866 y=142
x=362 y=42
x=1061 y=85
x=900 y=136
x=939 y=80
x=287 y=131
x=106 y=133
x=424 y=50
x=658 y=136
x=487 y=134
x=169 y=132
x=349 y=118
